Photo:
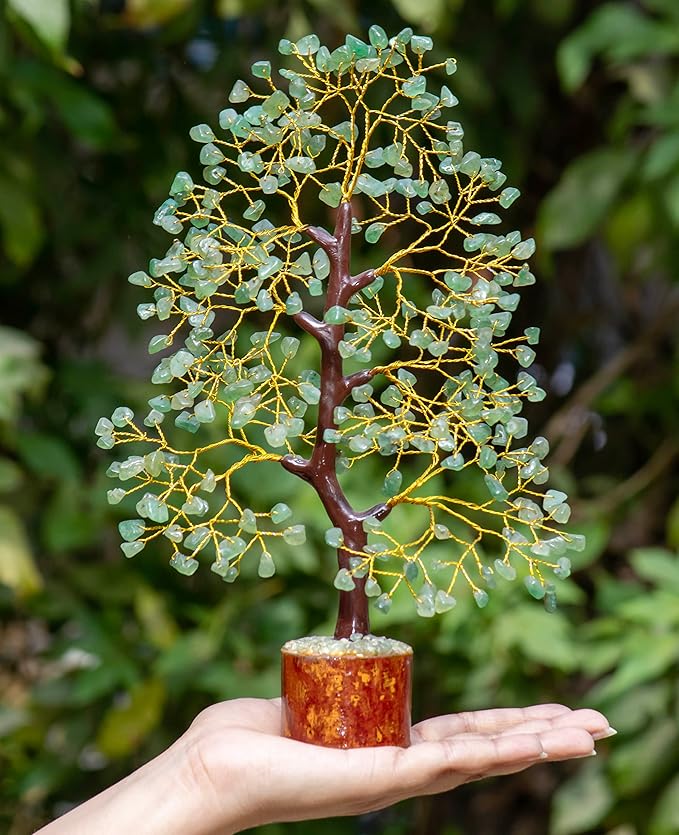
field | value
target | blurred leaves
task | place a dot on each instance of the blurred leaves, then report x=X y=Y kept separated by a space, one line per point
x=20 y=221
x=621 y=32
x=125 y=726
x=145 y=13
x=17 y=568
x=50 y=21
x=21 y=371
x=581 y=803
x=572 y=212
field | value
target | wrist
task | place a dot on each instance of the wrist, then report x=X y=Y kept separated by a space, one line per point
x=166 y=796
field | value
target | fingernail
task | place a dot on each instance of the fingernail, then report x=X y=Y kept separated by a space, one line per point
x=605 y=734
x=544 y=755
x=582 y=756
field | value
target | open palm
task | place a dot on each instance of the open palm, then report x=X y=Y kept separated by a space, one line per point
x=254 y=775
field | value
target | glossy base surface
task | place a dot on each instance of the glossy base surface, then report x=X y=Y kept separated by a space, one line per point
x=347 y=700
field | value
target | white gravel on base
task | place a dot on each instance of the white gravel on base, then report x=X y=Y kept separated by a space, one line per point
x=361 y=646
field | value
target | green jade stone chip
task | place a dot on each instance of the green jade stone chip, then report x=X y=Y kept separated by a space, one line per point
x=276 y=435
x=383 y=603
x=344 y=581
x=248 y=521
x=122 y=416
x=130 y=549
x=295 y=535
x=505 y=570
x=183 y=564
x=392 y=483
x=535 y=587
x=495 y=488
x=308 y=45
x=374 y=232
x=378 y=37
x=104 y=427
x=261 y=69
x=481 y=598
x=293 y=304
x=202 y=133
x=240 y=92
x=266 y=567
x=334 y=537
x=336 y=315
x=280 y=513
x=131 y=529
x=411 y=571
x=116 y=495
x=443 y=602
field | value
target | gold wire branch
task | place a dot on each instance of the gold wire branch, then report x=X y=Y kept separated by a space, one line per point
x=410 y=347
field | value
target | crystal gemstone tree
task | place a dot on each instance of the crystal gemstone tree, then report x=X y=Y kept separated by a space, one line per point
x=417 y=364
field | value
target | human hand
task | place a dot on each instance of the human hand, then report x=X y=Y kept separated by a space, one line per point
x=249 y=774
x=232 y=769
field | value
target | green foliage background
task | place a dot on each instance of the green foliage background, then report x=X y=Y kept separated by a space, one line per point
x=103 y=661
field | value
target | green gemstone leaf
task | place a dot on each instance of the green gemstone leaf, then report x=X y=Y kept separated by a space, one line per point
x=331 y=194
x=308 y=45
x=202 y=133
x=261 y=69
x=374 y=232
x=378 y=37
x=240 y=92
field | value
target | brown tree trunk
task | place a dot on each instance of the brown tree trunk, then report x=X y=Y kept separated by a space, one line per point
x=320 y=470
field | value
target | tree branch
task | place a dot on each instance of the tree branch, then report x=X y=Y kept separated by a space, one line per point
x=378 y=511
x=358 y=378
x=355 y=284
x=297 y=465
x=323 y=238
x=319 y=330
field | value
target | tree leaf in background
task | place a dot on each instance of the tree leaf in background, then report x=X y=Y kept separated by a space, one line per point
x=662 y=156
x=21 y=371
x=10 y=475
x=581 y=803
x=655 y=657
x=146 y=13
x=125 y=726
x=49 y=20
x=665 y=819
x=618 y=31
x=151 y=609
x=426 y=14
x=20 y=222
x=86 y=115
x=17 y=569
x=543 y=637
x=68 y=520
x=48 y=455
x=671 y=199
x=673 y=526
x=657 y=565
x=636 y=762
x=573 y=210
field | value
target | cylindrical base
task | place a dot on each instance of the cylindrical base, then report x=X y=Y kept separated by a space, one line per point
x=347 y=693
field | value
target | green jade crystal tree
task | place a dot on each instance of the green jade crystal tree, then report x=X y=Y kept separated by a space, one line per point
x=409 y=348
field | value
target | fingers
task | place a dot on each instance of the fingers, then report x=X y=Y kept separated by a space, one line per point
x=484 y=721
x=592 y=721
x=432 y=767
x=566 y=743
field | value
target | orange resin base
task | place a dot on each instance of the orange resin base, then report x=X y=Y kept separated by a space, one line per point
x=345 y=701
